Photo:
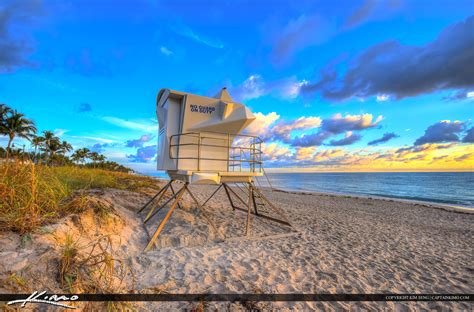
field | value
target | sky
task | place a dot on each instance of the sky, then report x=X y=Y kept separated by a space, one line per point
x=362 y=85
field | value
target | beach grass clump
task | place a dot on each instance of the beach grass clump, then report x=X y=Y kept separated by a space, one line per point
x=92 y=268
x=33 y=195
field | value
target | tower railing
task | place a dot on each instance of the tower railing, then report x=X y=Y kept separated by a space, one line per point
x=239 y=152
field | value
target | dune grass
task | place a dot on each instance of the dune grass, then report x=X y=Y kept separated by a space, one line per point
x=32 y=195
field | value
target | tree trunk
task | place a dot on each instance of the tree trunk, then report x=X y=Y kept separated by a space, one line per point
x=35 y=159
x=10 y=139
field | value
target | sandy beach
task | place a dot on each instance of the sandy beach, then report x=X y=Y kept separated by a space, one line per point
x=343 y=244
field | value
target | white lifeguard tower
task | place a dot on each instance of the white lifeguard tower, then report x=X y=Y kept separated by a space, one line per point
x=200 y=141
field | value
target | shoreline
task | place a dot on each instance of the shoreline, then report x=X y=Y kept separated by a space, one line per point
x=427 y=204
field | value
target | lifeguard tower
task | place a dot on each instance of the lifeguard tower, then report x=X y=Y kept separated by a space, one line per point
x=200 y=141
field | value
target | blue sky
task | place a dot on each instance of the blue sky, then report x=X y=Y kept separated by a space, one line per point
x=90 y=70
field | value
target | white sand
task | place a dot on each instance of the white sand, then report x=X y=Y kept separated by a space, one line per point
x=345 y=245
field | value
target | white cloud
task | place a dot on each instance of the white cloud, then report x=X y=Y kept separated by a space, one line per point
x=92 y=138
x=185 y=31
x=255 y=86
x=293 y=88
x=143 y=125
x=166 y=51
x=275 y=152
x=305 y=153
x=59 y=132
x=261 y=125
x=383 y=97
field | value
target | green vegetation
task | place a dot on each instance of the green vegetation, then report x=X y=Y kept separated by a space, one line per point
x=34 y=195
x=48 y=149
x=39 y=187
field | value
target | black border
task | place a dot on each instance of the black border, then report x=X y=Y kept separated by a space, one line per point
x=252 y=297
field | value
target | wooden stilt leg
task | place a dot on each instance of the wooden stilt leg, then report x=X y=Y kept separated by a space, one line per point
x=154 y=212
x=201 y=208
x=148 y=216
x=228 y=196
x=247 y=229
x=172 y=191
x=168 y=215
x=253 y=199
x=163 y=189
x=237 y=195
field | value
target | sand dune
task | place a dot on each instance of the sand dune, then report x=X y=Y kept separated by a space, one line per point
x=344 y=245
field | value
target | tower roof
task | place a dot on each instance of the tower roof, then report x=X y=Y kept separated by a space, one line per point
x=224 y=95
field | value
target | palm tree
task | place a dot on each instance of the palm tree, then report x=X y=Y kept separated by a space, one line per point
x=101 y=158
x=51 y=143
x=36 y=142
x=97 y=158
x=94 y=156
x=17 y=125
x=4 y=112
x=80 y=155
x=65 y=147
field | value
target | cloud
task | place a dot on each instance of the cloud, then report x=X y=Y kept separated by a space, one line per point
x=187 y=32
x=427 y=156
x=422 y=148
x=469 y=137
x=262 y=124
x=15 y=44
x=382 y=98
x=146 y=126
x=270 y=128
x=439 y=158
x=385 y=138
x=328 y=154
x=166 y=51
x=139 y=142
x=339 y=124
x=361 y=14
x=441 y=132
x=144 y=154
x=400 y=71
x=267 y=127
x=99 y=147
x=460 y=95
x=275 y=152
x=299 y=33
x=411 y=153
x=84 y=107
x=311 y=139
x=251 y=88
x=60 y=132
x=282 y=130
x=305 y=153
x=349 y=138
x=255 y=86
x=465 y=157
x=91 y=138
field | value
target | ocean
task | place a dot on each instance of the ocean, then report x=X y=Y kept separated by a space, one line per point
x=454 y=188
